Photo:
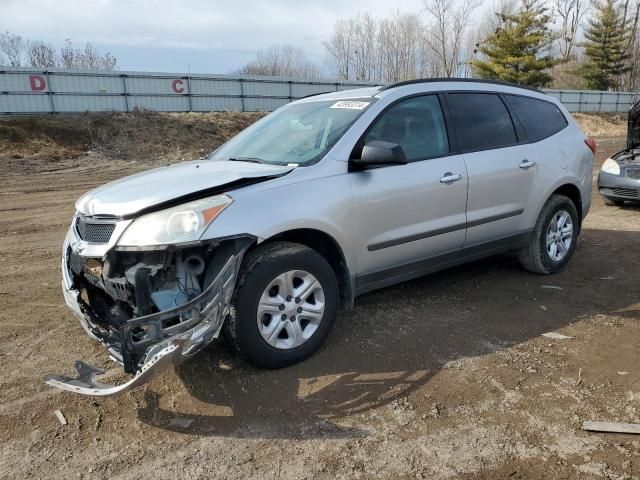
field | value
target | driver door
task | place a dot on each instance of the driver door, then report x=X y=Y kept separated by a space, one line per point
x=407 y=214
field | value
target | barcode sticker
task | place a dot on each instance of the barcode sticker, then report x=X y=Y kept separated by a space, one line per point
x=350 y=105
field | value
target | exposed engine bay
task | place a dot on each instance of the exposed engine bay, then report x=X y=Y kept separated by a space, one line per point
x=145 y=305
x=629 y=156
x=134 y=284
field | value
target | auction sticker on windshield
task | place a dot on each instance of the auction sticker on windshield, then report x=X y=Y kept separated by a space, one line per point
x=350 y=105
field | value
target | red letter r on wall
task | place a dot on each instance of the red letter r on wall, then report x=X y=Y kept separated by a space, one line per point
x=37 y=82
x=177 y=87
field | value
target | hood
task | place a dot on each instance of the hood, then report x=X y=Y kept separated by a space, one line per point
x=633 y=131
x=142 y=191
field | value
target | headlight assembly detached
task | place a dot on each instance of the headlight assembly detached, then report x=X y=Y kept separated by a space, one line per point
x=184 y=223
x=611 y=166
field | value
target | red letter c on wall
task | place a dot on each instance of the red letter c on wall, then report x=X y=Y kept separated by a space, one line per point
x=37 y=82
x=177 y=87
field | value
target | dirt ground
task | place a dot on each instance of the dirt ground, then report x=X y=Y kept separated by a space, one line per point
x=447 y=376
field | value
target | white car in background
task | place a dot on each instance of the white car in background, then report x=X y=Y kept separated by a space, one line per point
x=619 y=179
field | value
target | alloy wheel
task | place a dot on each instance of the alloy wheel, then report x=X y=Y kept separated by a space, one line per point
x=559 y=236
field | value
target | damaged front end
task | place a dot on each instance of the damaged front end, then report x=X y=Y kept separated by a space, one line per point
x=151 y=308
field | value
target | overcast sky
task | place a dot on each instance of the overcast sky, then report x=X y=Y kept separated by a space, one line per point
x=211 y=36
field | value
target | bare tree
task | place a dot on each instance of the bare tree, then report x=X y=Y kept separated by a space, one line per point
x=41 y=55
x=363 y=30
x=12 y=49
x=339 y=48
x=399 y=40
x=17 y=52
x=388 y=49
x=630 y=15
x=352 y=49
x=447 y=29
x=68 y=56
x=281 y=61
x=492 y=20
x=89 y=58
x=570 y=13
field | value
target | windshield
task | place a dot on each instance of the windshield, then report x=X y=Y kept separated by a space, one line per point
x=300 y=133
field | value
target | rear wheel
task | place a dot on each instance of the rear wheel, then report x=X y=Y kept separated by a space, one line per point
x=284 y=305
x=554 y=237
x=610 y=202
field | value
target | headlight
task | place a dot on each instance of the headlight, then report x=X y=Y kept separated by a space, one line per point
x=184 y=223
x=611 y=166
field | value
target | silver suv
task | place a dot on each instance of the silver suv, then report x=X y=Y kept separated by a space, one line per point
x=322 y=200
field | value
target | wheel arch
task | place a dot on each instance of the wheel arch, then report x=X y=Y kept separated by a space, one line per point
x=330 y=249
x=571 y=191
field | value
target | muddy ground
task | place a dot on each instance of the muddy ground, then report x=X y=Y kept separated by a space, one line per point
x=447 y=376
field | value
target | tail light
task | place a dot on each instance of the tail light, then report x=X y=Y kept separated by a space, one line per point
x=591 y=144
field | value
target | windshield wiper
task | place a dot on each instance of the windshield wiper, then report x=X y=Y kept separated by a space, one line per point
x=247 y=159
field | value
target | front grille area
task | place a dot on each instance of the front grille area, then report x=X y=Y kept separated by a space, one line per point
x=625 y=192
x=76 y=262
x=94 y=232
x=90 y=269
x=633 y=173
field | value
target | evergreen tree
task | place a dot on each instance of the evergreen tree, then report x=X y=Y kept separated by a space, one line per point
x=607 y=39
x=519 y=51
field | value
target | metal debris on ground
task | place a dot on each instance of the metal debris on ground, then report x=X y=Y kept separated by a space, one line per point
x=556 y=336
x=552 y=287
x=60 y=416
x=181 y=422
x=611 y=427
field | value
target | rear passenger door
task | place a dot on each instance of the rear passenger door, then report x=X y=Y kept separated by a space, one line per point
x=502 y=177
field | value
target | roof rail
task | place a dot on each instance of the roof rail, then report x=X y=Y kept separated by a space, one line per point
x=454 y=79
x=379 y=87
x=315 y=94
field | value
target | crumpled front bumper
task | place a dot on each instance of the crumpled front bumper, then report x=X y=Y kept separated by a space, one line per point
x=162 y=346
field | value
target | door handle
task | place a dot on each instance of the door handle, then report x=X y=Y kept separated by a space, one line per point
x=450 y=177
x=526 y=164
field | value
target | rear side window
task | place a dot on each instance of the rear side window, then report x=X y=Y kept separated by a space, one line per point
x=417 y=124
x=540 y=119
x=482 y=121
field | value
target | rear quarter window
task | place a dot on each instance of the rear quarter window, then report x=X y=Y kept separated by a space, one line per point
x=539 y=119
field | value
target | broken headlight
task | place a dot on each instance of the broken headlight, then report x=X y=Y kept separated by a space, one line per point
x=184 y=223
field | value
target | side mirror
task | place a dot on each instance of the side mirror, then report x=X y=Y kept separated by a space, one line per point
x=378 y=153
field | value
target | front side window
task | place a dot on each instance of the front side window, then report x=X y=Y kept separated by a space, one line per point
x=540 y=119
x=298 y=133
x=482 y=121
x=417 y=124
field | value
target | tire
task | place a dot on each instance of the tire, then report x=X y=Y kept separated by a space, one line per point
x=535 y=257
x=261 y=268
x=610 y=202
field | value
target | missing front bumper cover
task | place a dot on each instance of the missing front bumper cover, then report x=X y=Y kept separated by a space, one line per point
x=164 y=343
x=86 y=383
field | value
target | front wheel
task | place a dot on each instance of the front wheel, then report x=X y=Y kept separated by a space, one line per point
x=554 y=237
x=284 y=305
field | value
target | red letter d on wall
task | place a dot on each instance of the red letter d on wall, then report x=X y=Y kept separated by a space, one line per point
x=37 y=82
